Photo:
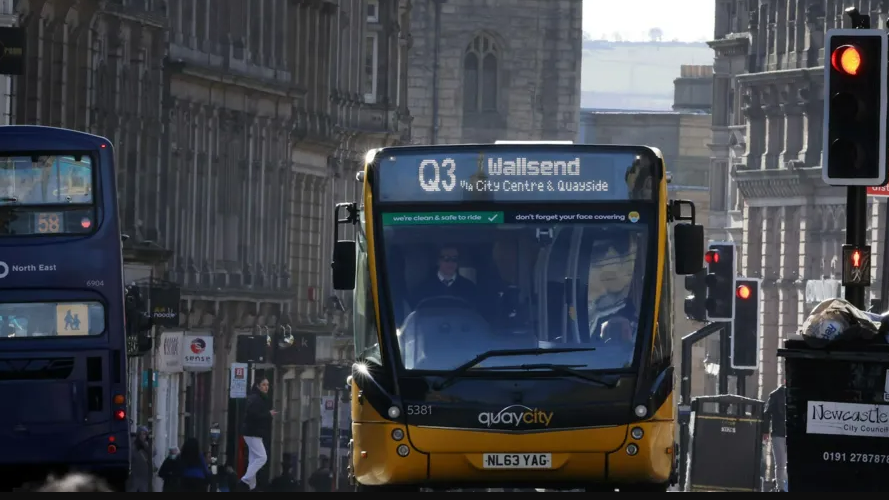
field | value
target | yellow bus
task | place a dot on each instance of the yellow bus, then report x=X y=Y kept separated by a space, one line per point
x=512 y=316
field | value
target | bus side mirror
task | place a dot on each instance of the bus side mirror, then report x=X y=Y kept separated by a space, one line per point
x=688 y=247
x=343 y=265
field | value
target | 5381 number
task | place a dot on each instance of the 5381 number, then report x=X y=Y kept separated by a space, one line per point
x=419 y=410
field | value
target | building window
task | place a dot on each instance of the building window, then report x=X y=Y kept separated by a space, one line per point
x=371 y=54
x=373 y=11
x=480 y=75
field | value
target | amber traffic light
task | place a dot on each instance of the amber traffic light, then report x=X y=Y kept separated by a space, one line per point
x=855 y=108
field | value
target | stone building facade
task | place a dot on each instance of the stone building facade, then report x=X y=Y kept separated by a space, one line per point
x=766 y=187
x=480 y=71
x=237 y=126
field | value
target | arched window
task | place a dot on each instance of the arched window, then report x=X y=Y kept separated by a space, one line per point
x=480 y=75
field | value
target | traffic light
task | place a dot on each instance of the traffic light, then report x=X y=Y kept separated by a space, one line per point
x=696 y=301
x=138 y=323
x=855 y=78
x=856 y=265
x=720 y=259
x=746 y=325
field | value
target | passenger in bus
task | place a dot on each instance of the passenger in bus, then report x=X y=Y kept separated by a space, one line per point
x=446 y=281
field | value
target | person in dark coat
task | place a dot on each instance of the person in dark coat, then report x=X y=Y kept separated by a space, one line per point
x=286 y=482
x=171 y=471
x=322 y=479
x=195 y=475
x=257 y=425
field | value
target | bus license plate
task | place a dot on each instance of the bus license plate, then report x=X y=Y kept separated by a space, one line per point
x=517 y=461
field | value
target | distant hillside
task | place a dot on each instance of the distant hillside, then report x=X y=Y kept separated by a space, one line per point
x=635 y=75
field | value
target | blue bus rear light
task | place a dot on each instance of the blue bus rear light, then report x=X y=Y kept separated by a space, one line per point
x=112 y=448
x=120 y=415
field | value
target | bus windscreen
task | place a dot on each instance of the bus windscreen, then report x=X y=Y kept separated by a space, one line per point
x=521 y=174
x=46 y=195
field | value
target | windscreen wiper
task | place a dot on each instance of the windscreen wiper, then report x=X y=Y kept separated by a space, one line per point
x=610 y=383
x=460 y=370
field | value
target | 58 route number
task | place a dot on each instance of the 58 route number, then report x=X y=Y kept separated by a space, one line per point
x=430 y=175
x=48 y=223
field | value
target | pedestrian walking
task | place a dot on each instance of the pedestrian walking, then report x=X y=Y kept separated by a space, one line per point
x=257 y=426
x=141 y=470
x=775 y=416
x=195 y=473
x=171 y=471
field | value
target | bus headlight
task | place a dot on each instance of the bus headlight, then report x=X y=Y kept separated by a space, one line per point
x=403 y=450
x=394 y=412
x=632 y=450
x=397 y=434
x=641 y=411
x=637 y=433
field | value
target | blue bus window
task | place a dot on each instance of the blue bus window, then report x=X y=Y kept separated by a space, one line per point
x=46 y=195
x=46 y=180
x=51 y=319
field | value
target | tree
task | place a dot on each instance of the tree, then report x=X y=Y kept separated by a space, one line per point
x=655 y=34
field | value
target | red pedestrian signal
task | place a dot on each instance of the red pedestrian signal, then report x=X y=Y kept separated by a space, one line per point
x=856 y=265
x=856 y=258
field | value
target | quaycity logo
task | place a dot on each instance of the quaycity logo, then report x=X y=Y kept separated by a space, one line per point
x=633 y=216
x=198 y=345
x=516 y=415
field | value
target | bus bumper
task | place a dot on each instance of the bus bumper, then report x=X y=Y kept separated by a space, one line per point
x=376 y=460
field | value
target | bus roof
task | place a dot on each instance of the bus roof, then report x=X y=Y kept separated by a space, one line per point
x=36 y=137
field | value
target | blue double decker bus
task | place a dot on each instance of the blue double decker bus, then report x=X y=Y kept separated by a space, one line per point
x=62 y=335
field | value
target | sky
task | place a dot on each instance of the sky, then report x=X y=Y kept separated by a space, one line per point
x=632 y=19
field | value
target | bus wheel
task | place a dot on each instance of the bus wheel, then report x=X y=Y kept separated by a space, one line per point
x=645 y=487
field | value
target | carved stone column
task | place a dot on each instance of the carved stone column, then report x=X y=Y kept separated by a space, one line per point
x=814 y=32
x=812 y=104
x=774 y=125
x=793 y=124
x=752 y=109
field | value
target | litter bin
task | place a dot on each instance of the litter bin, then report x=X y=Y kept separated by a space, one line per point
x=726 y=444
x=837 y=417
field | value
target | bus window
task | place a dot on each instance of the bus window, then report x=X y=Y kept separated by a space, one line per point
x=468 y=293
x=46 y=195
x=51 y=319
x=364 y=319
x=50 y=180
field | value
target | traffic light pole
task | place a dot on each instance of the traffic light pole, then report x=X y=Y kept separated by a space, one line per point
x=856 y=235
x=725 y=356
x=688 y=342
x=884 y=267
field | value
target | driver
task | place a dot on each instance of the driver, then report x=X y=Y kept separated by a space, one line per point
x=447 y=281
x=618 y=331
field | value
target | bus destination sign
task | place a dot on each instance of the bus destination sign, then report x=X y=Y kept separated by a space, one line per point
x=512 y=176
